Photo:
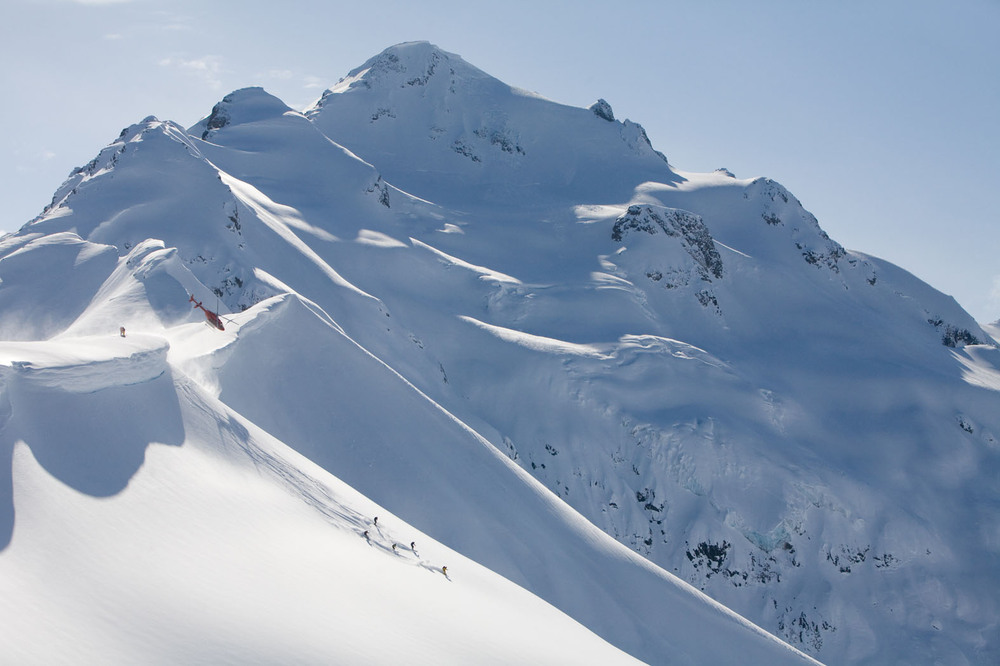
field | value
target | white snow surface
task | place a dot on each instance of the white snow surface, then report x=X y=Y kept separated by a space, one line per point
x=155 y=525
x=640 y=414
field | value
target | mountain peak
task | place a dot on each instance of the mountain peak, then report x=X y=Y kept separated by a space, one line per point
x=403 y=65
x=148 y=132
x=433 y=120
x=241 y=106
x=602 y=109
x=612 y=384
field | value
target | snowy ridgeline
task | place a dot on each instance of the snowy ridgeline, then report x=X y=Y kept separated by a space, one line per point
x=154 y=523
x=588 y=384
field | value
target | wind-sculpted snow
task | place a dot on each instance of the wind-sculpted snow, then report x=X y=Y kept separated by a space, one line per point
x=225 y=228
x=123 y=148
x=484 y=273
x=541 y=343
x=87 y=408
x=665 y=481
x=982 y=368
x=515 y=331
x=228 y=470
x=314 y=173
x=392 y=453
x=82 y=365
x=134 y=198
x=623 y=352
x=47 y=281
x=227 y=548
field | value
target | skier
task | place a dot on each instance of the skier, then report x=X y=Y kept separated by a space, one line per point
x=394 y=548
x=367 y=537
x=444 y=570
x=121 y=331
x=413 y=546
x=376 y=521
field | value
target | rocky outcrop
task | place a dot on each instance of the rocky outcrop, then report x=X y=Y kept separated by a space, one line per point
x=681 y=224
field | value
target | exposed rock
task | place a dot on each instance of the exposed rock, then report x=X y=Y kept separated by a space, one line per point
x=603 y=110
x=690 y=228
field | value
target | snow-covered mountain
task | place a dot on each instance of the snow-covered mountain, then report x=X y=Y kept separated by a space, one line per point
x=591 y=385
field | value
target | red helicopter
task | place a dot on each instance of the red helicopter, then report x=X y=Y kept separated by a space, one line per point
x=210 y=316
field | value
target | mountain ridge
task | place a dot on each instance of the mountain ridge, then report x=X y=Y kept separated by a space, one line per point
x=685 y=361
x=488 y=155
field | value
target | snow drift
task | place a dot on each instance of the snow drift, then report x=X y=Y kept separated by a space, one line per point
x=592 y=385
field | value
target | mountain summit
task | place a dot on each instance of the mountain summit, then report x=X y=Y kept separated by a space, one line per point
x=448 y=132
x=604 y=409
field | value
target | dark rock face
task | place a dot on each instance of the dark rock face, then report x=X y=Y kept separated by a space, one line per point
x=686 y=226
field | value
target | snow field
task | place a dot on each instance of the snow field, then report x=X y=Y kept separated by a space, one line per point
x=224 y=547
x=556 y=355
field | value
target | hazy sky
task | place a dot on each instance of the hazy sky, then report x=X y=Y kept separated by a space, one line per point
x=882 y=117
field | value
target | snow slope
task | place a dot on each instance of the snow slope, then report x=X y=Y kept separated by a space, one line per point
x=515 y=328
x=155 y=525
x=478 y=139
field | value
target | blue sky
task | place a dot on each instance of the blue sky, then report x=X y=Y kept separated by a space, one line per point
x=882 y=117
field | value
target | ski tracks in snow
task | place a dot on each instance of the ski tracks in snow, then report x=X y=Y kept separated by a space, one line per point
x=235 y=435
